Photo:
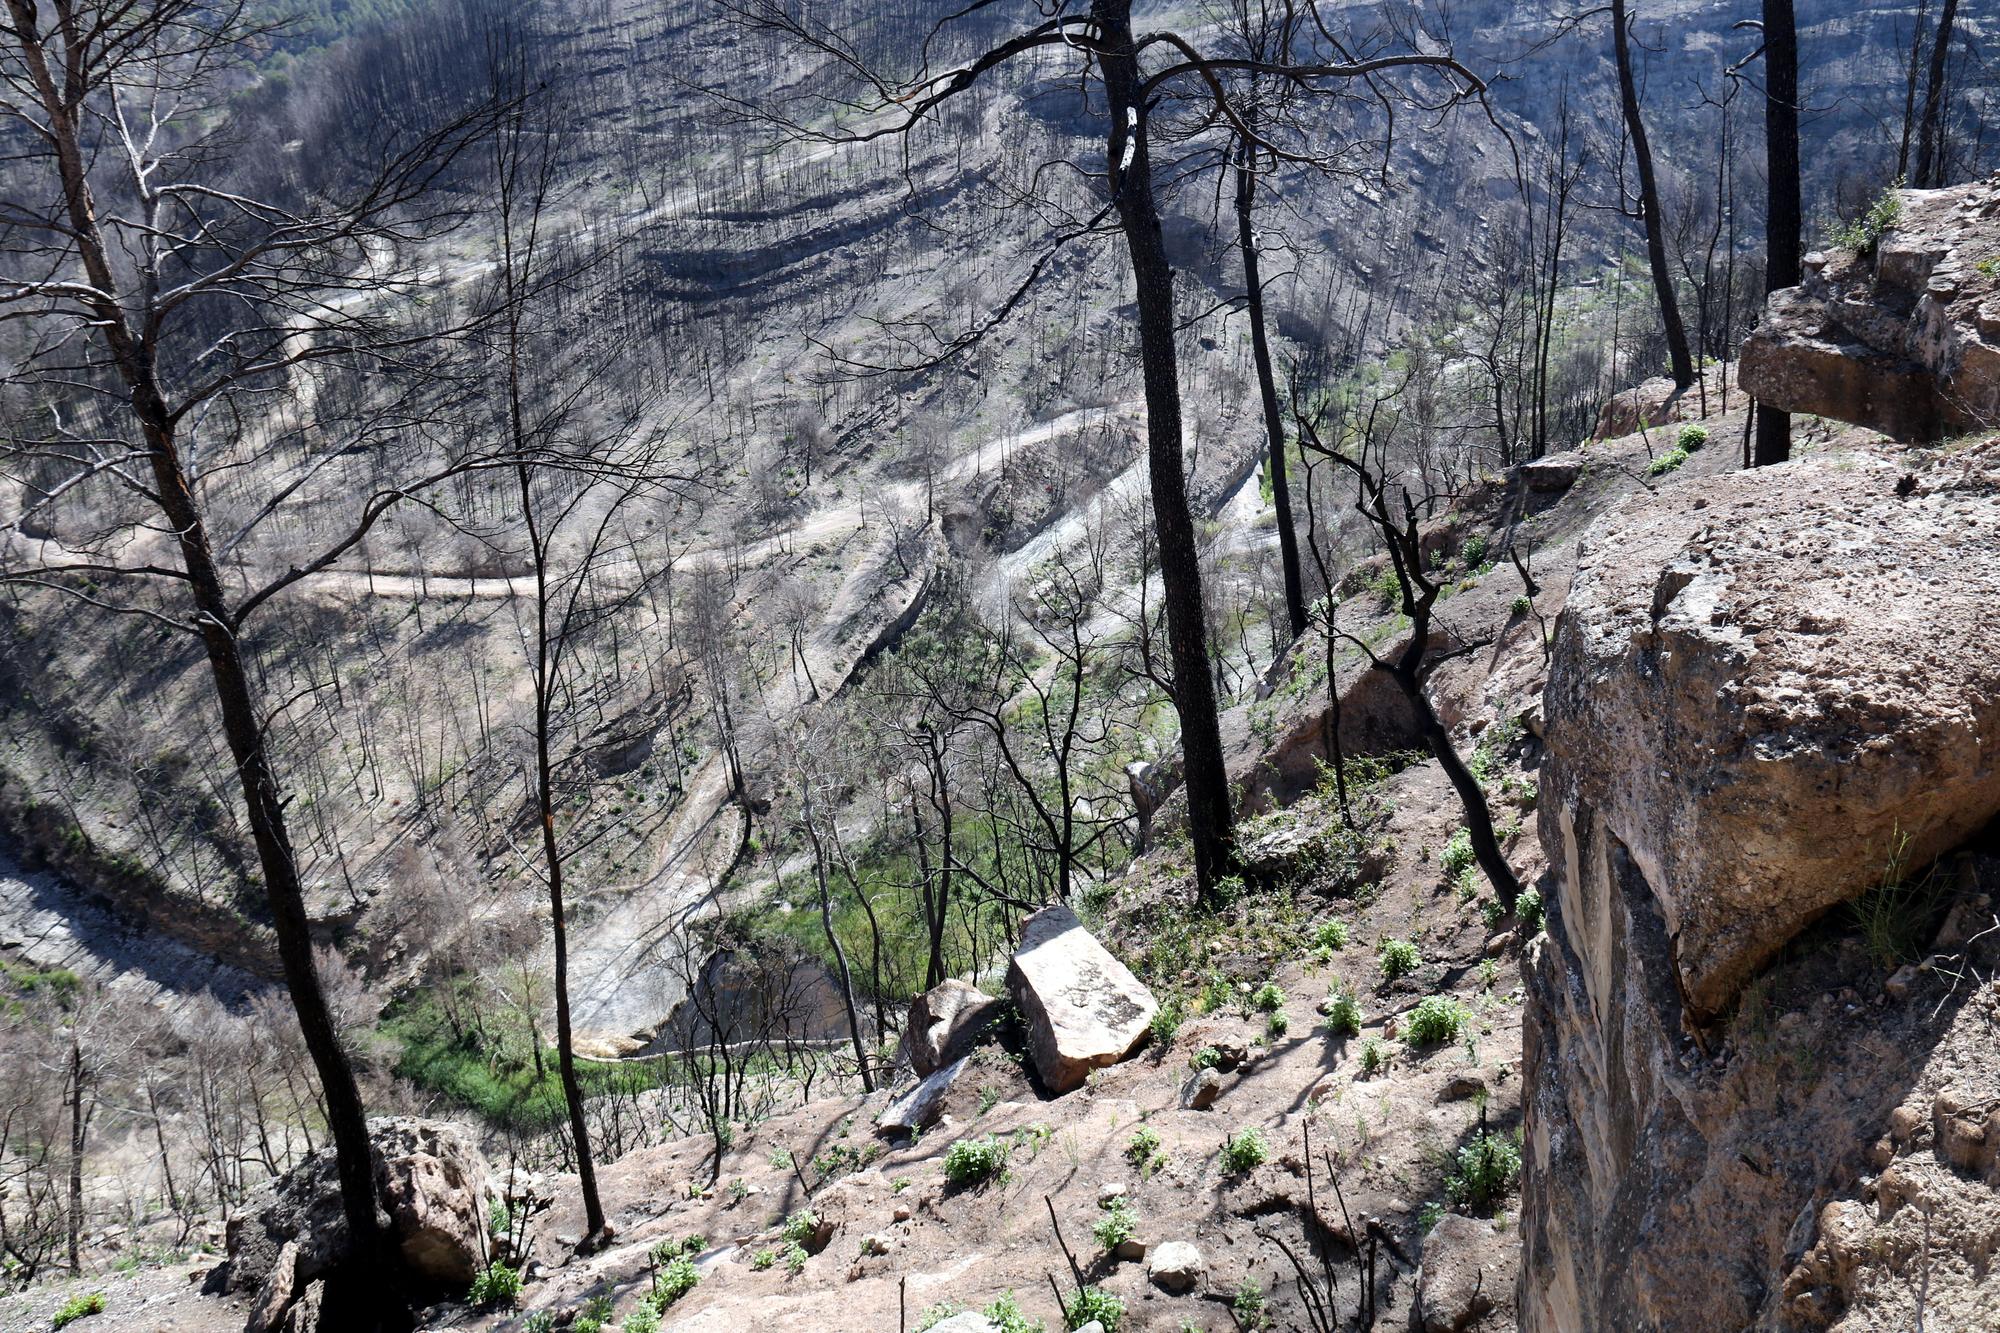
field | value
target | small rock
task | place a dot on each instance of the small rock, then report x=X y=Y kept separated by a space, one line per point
x=874 y=1243
x=1177 y=1267
x=902 y=1213
x=1462 y=1087
x=1092 y=1327
x=1201 y=1090
x=1108 y=1191
x=1455 y=1274
x=1897 y=987
x=966 y=1321
x=1131 y=1250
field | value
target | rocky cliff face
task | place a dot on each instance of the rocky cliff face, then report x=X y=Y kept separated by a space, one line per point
x=1903 y=335
x=1767 y=689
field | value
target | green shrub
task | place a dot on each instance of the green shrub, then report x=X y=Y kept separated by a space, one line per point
x=795 y=1259
x=541 y=1321
x=79 y=1307
x=799 y=1227
x=1374 y=1059
x=1144 y=1145
x=1248 y=1306
x=1522 y=605
x=1398 y=958
x=1331 y=935
x=1269 y=997
x=676 y=1280
x=763 y=1259
x=591 y=1318
x=1861 y=234
x=645 y=1319
x=1092 y=1303
x=1278 y=1025
x=1457 y=856
x=937 y=1314
x=1244 y=1151
x=972 y=1162
x=1118 y=1225
x=1343 y=1013
x=1492 y=912
x=1205 y=1058
x=1667 y=461
x=495 y=1285
x=1166 y=1022
x=1528 y=908
x=1487 y=1170
x=1438 y=1019
x=1691 y=438
x=1006 y=1315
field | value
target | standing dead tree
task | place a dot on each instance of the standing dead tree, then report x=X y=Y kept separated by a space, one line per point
x=1130 y=73
x=165 y=308
x=1648 y=205
x=1396 y=518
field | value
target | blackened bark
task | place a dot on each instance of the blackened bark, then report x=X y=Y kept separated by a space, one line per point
x=1649 y=203
x=1930 y=138
x=1267 y=385
x=1131 y=177
x=1782 y=264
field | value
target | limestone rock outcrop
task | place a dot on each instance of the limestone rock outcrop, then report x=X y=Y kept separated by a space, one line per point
x=1762 y=685
x=1084 y=1009
x=431 y=1183
x=1765 y=686
x=1902 y=337
x=944 y=1022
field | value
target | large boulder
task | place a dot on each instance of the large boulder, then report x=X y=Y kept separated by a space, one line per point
x=1083 y=1008
x=1762 y=685
x=1463 y=1274
x=944 y=1022
x=431 y=1183
x=1767 y=684
x=1902 y=336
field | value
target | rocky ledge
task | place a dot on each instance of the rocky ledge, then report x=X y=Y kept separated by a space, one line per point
x=1902 y=335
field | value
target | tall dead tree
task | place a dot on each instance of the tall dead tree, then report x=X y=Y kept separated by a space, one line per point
x=1134 y=73
x=158 y=293
x=1649 y=210
x=1931 y=141
x=1783 y=221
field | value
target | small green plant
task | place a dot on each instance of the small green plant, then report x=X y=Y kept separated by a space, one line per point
x=1331 y=935
x=1667 y=462
x=1988 y=268
x=1522 y=605
x=1438 y=1019
x=1491 y=913
x=1278 y=1025
x=1205 y=1058
x=591 y=1318
x=77 y=1307
x=1489 y=973
x=1398 y=958
x=1093 y=1303
x=1457 y=856
x=937 y=1314
x=1691 y=438
x=1374 y=1059
x=1248 y=1306
x=675 y=1280
x=1166 y=1022
x=1861 y=234
x=1143 y=1146
x=1487 y=1169
x=495 y=1286
x=1118 y=1225
x=795 y=1259
x=645 y=1319
x=1528 y=907
x=1894 y=917
x=970 y=1162
x=1343 y=1013
x=1269 y=997
x=763 y=1259
x=1428 y=1215
x=989 y=1097
x=541 y=1321
x=799 y=1227
x=1244 y=1151
x=1006 y=1315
